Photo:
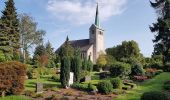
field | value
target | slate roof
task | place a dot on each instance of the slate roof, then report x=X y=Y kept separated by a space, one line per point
x=83 y=44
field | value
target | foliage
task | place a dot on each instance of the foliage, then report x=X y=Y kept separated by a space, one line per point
x=101 y=61
x=120 y=69
x=116 y=82
x=167 y=67
x=76 y=66
x=162 y=29
x=126 y=50
x=65 y=71
x=2 y=56
x=84 y=87
x=154 y=95
x=137 y=69
x=89 y=66
x=51 y=55
x=29 y=34
x=10 y=29
x=166 y=85
x=12 y=78
x=56 y=78
x=105 y=87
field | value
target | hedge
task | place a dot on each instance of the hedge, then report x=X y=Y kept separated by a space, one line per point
x=12 y=76
x=154 y=95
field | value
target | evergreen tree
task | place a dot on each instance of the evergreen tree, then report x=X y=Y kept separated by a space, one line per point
x=39 y=51
x=10 y=24
x=162 y=29
x=84 y=64
x=51 y=55
x=76 y=65
x=65 y=71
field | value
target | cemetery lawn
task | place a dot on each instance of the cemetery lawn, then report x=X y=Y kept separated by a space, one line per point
x=14 y=98
x=47 y=82
x=154 y=84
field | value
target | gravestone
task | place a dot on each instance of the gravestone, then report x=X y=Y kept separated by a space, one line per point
x=71 y=78
x=39 y=87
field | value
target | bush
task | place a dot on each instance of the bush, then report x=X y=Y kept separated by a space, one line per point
x=120 y=70
x=167 y=85
x=56 y=78
x=154 y=95
x=105 y=87
x=116 y=82
x=2 y=56
x=91 y=87
x=126 y=87
x=12 y=78
x=104 y=75
x=137 y=69
x=167 y=67
x=84 y=87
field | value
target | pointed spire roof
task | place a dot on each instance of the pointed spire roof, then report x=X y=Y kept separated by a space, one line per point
x=67 y=39
x=97 y=22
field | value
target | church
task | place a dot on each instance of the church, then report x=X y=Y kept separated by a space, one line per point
x=94 y=46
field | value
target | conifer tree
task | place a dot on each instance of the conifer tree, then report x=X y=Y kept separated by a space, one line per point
x=162 y=29
x=10 y=24
x=51 y=55
x=65 y=71
x=76 y=65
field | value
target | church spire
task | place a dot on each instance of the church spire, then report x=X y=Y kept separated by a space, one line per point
x=97 y=22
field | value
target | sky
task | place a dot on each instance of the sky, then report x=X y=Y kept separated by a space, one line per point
x=121 y=19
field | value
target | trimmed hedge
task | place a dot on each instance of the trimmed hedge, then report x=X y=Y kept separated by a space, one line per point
x=84 y=87
x=12 y=76
x=154 y=95
x=105 y=87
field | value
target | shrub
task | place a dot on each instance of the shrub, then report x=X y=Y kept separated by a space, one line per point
x=167 y=67
x=120 y=69
x=91 y=87
x=104 y=75
x=137 y=69
x=116 y=82
x=105 y=87
x=12 y=76
x=84 y=87
x=2 y=56
x=154 y=95
x=56 y=78
x=167 y=85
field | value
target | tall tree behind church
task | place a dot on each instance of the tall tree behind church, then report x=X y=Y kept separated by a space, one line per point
x=162 y=29
x=10 y=24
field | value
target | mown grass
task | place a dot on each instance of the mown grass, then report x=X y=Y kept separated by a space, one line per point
x=14 y=98
x=154 y=84
x=47 y=83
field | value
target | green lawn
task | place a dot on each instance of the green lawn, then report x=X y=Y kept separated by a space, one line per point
x=14 y=98
x=30 y=83
x=154 y=84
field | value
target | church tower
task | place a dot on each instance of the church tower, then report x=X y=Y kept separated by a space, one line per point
x=96 y=35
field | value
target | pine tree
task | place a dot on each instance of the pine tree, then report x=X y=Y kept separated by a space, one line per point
x=10 y=24
x=76 y=65
x=162 y=29
x=51 y=55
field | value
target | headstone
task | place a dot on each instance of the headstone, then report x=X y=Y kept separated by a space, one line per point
x=71 y=78
x=39 y=87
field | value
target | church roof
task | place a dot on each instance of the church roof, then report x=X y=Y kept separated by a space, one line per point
x=83 y=44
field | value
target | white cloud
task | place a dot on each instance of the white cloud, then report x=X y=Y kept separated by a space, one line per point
x=83 y=11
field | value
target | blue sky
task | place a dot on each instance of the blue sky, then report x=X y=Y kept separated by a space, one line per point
x=121 y=20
